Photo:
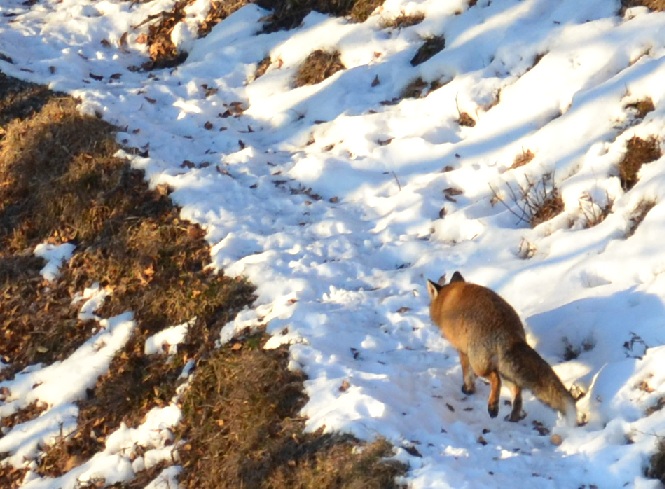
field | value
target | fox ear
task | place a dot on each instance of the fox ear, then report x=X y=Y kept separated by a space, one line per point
x=457 y=277
x=433 y=289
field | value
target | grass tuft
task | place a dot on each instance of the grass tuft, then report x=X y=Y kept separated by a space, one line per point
x=638 y=152
x=638 y=215
x=318 y=66
x=641 y=108
x=522 y=159
x=402 y=21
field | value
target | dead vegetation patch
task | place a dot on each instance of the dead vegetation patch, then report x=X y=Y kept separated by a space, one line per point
x=161 y=48
x=11 y=477
x=522 y=159
x=402 y=21
x=656 y=468
x=262 y=66
x=466 y=120
x=638 y=152
x=318 y=66
x=417 y=88
x=641 y=108
x=653 y=5
x=219 y=10
x=290 y=14
x=31 y=411
x=241 y=428
x=431 y=46
x=638 y=215
x=592 y=212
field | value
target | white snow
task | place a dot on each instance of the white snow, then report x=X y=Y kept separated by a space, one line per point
x=54 y=255
x=328 y=198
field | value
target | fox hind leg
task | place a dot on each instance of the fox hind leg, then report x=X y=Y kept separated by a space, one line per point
x=516 y=414
x=469 y=385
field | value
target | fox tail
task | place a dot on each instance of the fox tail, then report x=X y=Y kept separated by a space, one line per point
x=524 y=367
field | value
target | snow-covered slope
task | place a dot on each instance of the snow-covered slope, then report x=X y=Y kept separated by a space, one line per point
x=339 y=199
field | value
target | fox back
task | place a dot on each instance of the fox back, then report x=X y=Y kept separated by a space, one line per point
x=472 y=315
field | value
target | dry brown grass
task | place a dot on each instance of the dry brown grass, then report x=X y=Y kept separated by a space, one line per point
x=290 y=14
x=593 y=213
x=417 y=88
x=522 y=159
x=641 y=108
x=242 y=429
x=638 y=152
x=638 y=215
x=653 y=5
x=318 y=66
x=656 y=468
x=429 y=48
x=163 y=52
x=402 y=21
x=466 y=120
x=62 y=183
x=11 y=477
x=262 y=66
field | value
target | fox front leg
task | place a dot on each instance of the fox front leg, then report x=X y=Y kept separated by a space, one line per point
x=469 y=385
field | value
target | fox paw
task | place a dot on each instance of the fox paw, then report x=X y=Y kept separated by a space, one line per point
x=468 y=390
x=493 y=409
x=515 y=417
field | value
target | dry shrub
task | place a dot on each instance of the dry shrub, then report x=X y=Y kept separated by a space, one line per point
x=403 y=21
x=641 y=108
x=522 y=159
x=429 y=48
x=241 y=428
x=593 y=213
x=638 y=215
x=537 y=201
x=318 y=66
x=656 y=468
x=638 y=152
x=288 y=14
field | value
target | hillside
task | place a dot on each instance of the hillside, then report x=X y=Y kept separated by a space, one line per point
x=309 y=165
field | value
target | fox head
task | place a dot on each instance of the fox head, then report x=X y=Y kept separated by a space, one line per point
x=433 y=288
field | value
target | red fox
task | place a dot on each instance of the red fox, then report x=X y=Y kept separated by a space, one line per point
x=489 y=337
